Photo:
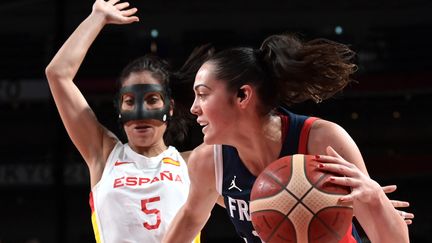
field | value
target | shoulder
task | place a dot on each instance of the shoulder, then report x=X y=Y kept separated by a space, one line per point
x=323 y=127
x=325 y=133
x=202 y=152
x=201 y=159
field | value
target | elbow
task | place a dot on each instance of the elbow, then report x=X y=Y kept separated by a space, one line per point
x=51 y=72
x=55 y=73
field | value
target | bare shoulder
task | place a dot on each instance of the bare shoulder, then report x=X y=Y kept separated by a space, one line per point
x=200 y=162
x=201 y=155
x=324 y=128
x=201 y=152
x=326 y=133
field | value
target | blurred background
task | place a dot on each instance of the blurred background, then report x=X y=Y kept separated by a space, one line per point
x=44 y=183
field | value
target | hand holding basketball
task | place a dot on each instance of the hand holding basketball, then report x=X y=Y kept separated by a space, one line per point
x=363 y=188
x=292 y=201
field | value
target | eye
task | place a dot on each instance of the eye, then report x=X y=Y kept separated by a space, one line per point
x=201 y=95
x=153 y=99
x=201 y=92
x=128 y=100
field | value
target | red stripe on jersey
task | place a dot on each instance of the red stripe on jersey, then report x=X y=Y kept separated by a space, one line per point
x=284 y=126
x=91 y=202
x=304 y=135
x=348 y=237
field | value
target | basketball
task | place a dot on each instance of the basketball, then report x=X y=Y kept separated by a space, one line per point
x=292 y=201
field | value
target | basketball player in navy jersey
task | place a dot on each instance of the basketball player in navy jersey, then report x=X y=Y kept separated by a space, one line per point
x=240 y=95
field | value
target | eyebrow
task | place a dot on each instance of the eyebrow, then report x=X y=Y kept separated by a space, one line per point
x=201 y=85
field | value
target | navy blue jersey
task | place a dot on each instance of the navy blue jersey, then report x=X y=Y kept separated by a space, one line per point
x=234 y=181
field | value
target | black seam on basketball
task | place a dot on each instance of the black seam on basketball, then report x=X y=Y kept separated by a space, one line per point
x=280 y=237
x=268 y=225
x=299 y=200
x=308 y=208
x=294 y=206
x=281 y=186
x=330 y=229
x=318 y=181
x=265 y=221
x=307 y=178
x=284 y=188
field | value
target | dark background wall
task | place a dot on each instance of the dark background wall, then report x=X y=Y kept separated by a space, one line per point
x=44 y=183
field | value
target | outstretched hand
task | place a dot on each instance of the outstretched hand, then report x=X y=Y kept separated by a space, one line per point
x=115 y=12
x=408 y=217
x=363 y=188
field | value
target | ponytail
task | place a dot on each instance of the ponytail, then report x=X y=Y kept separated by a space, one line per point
x=313 y=70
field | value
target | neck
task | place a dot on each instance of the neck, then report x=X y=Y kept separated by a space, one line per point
x=150 y=151
x=260 y=143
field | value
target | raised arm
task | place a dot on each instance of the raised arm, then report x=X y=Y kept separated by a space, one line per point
x=92 y=140
x=201 y=199
x=374 y=211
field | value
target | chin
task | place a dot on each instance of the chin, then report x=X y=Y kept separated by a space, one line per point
x=143 y=142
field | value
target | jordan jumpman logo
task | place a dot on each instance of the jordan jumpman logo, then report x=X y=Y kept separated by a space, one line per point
x=233 y=185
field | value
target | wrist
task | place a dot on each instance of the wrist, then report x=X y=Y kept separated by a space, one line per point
x=98 y=17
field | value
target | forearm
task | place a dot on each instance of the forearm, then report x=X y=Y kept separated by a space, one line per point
x=381 y=221
x=185 y=227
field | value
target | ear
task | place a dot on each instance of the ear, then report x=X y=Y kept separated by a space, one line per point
x=244 y=95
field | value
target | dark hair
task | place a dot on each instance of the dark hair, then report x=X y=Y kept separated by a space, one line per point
x=285 y=70
x=182 y=80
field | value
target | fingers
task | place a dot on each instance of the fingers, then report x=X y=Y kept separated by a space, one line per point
x=344 y=169
x=130 y=12
x=343 y=181
x=399 y=204
x=406 y=216
x=122 y=5
x=347 y=198
x=332 y=159
x=126 y=12
x=113 y=2
x=389 y=188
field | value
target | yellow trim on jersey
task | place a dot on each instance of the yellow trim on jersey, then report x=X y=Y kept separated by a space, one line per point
x=197 y=238
x=167 y=160
x=95 y=228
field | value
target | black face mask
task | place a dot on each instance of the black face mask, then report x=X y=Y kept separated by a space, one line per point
x=140 y=112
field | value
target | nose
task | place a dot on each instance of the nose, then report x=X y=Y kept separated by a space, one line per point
x=195 y=107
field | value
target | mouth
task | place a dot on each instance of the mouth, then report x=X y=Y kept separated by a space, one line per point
x=142 y=127
x=202 y=123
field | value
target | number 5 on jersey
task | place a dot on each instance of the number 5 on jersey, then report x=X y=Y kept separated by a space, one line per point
x=154 y=211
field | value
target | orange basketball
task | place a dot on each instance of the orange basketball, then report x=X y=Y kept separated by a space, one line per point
x=292 y=201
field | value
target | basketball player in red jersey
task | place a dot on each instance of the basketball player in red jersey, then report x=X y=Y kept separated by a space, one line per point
x=136 y=187
x=240 y=100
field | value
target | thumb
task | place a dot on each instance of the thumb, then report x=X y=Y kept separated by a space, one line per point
x=331 y=152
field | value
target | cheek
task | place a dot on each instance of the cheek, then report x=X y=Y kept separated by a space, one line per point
x=126 y=128
x=218 y=114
